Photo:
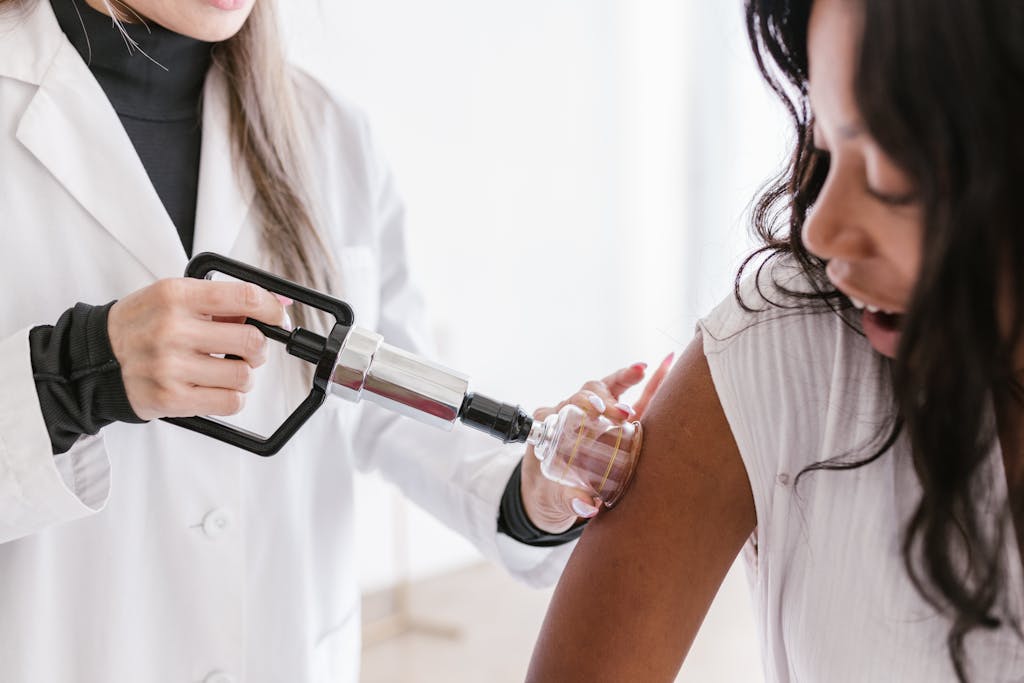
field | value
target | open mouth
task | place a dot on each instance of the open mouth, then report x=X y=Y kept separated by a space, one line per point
x=886 y=321
x=881 y=327
x=883 y=331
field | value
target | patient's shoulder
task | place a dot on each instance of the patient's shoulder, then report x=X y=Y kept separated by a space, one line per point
x=771 y=304
x=773 y=329
x=792 y=375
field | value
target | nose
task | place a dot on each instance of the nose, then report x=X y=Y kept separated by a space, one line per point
x=833 y=228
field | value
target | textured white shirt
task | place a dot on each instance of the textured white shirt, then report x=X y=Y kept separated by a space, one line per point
x=834 y=600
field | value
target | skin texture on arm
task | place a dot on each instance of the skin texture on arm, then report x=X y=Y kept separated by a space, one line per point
x=643 y=575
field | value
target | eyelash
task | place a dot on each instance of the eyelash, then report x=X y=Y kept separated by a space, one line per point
x=887 y=199
x=894 y=200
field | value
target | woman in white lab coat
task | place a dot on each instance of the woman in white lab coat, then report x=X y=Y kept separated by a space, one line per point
x=145 y=552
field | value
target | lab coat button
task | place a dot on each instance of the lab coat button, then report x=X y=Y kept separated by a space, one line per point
x=219 y=677
x=215 y=523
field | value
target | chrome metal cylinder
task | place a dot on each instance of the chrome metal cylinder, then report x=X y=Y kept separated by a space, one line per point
x=367 y=368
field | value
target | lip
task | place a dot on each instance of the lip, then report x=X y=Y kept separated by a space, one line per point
x=837 y=275
x=862 y=303
x=883 y=337
x=227 y=5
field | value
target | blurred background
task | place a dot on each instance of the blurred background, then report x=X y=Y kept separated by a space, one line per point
x=592 y=162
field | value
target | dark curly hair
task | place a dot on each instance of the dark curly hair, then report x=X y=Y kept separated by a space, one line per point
x=940 y=87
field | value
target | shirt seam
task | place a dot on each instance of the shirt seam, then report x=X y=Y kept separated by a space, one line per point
x=101 y=369
x=155 y=118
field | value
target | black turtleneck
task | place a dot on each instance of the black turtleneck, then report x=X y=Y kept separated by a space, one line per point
x=156 y=90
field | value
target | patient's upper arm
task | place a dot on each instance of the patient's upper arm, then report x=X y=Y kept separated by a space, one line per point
x=643 y=575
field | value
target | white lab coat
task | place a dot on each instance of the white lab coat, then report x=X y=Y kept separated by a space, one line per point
x=149 y=553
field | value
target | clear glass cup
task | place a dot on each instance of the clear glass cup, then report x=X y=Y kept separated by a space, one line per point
x=594 y=454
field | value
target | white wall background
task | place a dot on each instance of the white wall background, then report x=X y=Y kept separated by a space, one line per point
x=587 y=164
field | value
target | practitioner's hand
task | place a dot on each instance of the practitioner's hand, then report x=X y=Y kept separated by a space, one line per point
x=164 y=336
x=552 y=507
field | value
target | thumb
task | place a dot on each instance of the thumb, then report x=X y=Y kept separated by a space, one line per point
x=580 y=503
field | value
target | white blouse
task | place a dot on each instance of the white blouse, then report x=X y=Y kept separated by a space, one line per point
x=834 y=600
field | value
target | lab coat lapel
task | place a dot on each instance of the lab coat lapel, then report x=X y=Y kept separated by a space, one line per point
x=72 y=129
x=225 y=188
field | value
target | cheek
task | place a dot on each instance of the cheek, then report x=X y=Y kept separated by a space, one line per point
x=900 y=228
x=902 y=248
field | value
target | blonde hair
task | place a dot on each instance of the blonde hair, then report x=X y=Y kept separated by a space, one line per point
x=267 y=138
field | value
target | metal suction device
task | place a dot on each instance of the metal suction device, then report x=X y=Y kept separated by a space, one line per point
x=355 y=364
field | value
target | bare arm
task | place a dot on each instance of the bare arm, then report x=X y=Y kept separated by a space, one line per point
x=643 y=576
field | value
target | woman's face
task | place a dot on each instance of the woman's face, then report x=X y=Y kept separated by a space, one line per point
x=866 y=221
x=207 y=20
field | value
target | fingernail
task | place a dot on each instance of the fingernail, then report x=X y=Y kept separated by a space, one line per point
x=639 y=366
x=669 y=358
x=583 y=509
x=598 y=404
x=288 y=322
x=285 y=301
x=625 y=408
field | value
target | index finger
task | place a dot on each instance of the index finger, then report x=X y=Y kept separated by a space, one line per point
x=623 y=379
x=242 y=299
x=652 y=385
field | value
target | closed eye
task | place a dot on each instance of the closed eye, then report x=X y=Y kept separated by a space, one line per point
x=905 y=199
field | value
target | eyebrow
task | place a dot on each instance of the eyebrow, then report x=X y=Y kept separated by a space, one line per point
x=848 y=131
x=851 y=130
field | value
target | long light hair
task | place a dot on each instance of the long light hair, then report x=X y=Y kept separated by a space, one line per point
x=268 y=140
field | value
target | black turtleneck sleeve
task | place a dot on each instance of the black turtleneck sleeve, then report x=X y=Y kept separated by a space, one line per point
x=156 y=91
x=515 y=523
x=77 y=377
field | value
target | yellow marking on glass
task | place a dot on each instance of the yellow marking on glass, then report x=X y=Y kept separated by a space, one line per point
x=611 y=462
x=575 y=449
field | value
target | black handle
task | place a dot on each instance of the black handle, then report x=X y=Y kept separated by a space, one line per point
x=301 y=343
